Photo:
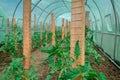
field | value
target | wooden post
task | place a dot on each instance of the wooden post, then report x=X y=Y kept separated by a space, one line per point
x=14 y=25
x=63 y=31
x=27 y=33
x=53 y=29
x=46 y=31
x=7 y=27
x=34 y=23
x=13 y=22
x=69 y=26
x=77 y=30
x=40 y=31
x=66 y=32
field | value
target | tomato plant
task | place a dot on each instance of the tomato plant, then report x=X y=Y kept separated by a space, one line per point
x=15 y=71
x=60 y=62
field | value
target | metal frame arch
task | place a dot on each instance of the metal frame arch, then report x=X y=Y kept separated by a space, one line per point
x=65 y=5
x=16 y=8
x=52 y=4
x=116 y=24
x=101 y=20
x=99 y=13
x=51 y=12
x=39 y=8
x=61 y=14
x=93 y=14
x=36 y=5
x=48 y=7
x=2 y=21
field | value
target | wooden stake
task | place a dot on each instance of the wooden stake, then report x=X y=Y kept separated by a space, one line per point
x=13 y=22
x=27 y=33
x=34 y=23
x=77 y=30
x=63 y=31
x=53 y=29
x=46 y=31
x=7 y=27
x=15 y=35
x=41 y=31
x=66 y=32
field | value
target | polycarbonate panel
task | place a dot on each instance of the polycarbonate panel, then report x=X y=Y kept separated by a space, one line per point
x=94 y=26
x=8 y=6
x=66 y=16
x=117 y=55
x=20 y=22
x=1 y=20
x=98 y=39
x=97 y=15
x=109 y=27
x=95 y=37
x=108 y=44
x=55 y=11
x=2 y=34
x=50 y=6
x=117 y=7
x=91 y=17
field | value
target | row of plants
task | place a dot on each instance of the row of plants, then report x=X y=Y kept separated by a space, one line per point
x=60 y=62
x=59 y=59
x=12 y=44
x=16 y=71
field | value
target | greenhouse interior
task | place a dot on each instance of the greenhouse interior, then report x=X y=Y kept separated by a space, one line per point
x=59 y=39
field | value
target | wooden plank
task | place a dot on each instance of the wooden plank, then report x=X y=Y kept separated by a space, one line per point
x=76 y=24
x=76 y=17
x=76 y=4
x=53 y=28
x=77 y=10
x=27 y=33
x=77 y=30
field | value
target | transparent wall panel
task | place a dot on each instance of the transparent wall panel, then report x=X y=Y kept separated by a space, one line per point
x=98 y=37
x=95 y=37
x=2 y=35
x=108 y=44
x=96 y=14
x=108 y=23
x=1 y=20
x=117 y=7
x=117 y=55
x=19 y=22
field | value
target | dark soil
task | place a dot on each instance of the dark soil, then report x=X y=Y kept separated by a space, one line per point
x=4 y=58
x=108 y=68
x=45 y=71
x=43 y=68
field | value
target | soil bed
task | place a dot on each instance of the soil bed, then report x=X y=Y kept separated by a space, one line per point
x=108 y=68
